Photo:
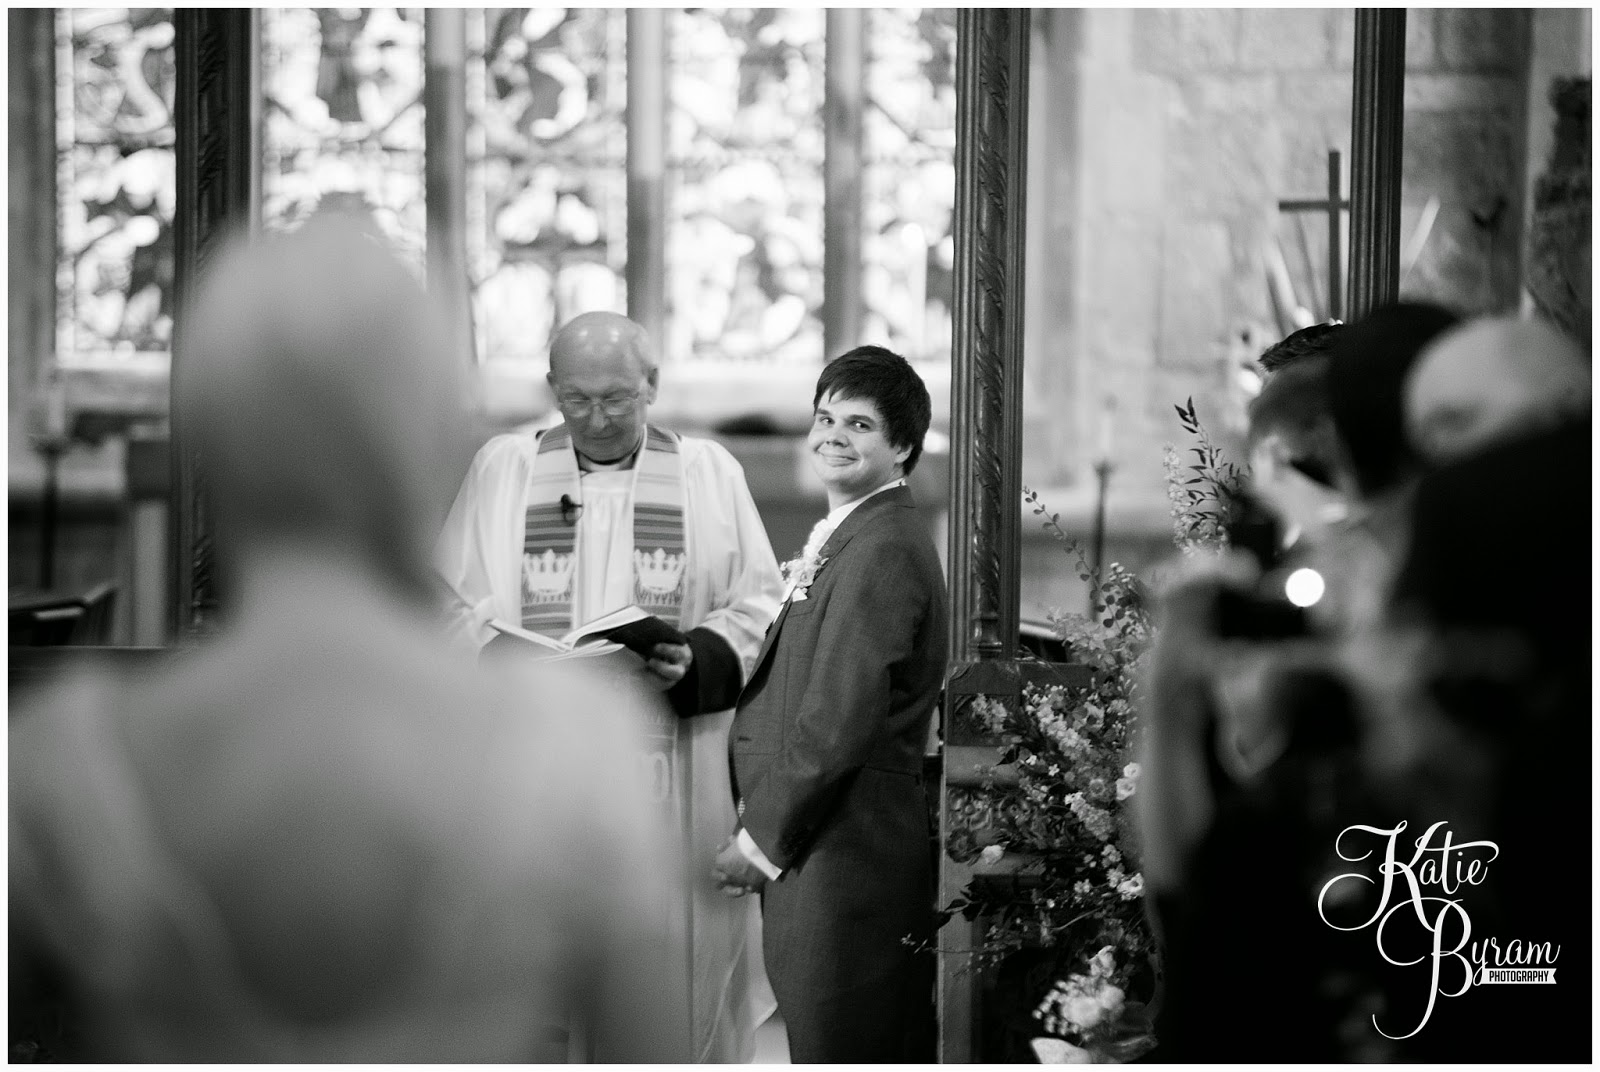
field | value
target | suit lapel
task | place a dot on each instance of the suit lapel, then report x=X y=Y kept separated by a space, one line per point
x=858 y=519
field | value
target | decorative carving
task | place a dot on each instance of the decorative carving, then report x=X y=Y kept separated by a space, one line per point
x=1376 y=129
x=218 y=191
x=991 y=135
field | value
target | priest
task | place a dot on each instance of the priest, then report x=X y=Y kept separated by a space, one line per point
x=604 y=511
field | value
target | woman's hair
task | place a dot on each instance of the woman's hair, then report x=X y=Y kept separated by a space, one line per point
x=887 y=380
x=1318 y=339
x=1366 y=389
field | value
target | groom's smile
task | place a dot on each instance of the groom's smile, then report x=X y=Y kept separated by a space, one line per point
x=850 y=449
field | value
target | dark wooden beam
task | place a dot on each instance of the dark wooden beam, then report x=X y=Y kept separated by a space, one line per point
x=31 y=192
x=217 y=115
x=843 y=188
x=445 y=170
x=986 y=365
x=646 y=272
x=1377 y=128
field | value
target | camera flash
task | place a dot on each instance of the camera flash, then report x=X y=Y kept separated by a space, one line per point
x=1303 y=587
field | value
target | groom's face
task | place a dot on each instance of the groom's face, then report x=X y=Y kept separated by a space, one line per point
x=850 y=449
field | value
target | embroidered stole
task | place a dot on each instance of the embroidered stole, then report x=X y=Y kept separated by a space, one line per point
x=549 y=542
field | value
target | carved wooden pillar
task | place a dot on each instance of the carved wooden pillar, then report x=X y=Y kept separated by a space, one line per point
x=647 y=171
x=445 y=169
x=986 y=428
x=986 y=366
x=1377 y=128
x=31 y=212
x=842 y=180
x=217 y=114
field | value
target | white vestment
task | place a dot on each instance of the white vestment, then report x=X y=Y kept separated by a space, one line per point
x=732 y=587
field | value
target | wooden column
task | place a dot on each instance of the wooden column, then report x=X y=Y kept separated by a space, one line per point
x=843 y=186
x=1377 y=127
x=986 y=365
x=217 y=115
x=31 y=205
x=647 y=169
x=445 y=169
x=986 y=430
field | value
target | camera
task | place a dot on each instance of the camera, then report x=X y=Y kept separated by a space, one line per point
x=1265 y=613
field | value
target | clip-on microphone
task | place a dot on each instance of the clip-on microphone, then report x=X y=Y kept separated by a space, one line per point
x=571 y=509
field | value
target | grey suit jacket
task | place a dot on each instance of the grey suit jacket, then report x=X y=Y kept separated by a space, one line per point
x=847 y=680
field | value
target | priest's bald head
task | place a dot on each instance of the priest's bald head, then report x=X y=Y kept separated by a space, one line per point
x=1490 y=380
x=316 y=384
x=603 y=374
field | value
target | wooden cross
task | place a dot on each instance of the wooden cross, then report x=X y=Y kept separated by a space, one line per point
x=1333 y=204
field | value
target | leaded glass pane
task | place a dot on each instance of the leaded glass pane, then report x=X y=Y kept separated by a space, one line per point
x=342 y=118
x=745 y=193
x=547 y=172
x=908 y=250
x=116 y=179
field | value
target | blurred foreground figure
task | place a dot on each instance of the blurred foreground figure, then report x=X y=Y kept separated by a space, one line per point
x=321 y=837
x=1491 y=380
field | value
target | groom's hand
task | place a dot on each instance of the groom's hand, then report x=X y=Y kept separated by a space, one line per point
x=734 y=873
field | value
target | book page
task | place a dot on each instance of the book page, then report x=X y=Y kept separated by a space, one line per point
x=506 y=628
x=605 y=622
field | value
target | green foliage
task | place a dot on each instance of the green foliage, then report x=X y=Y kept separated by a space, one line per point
x=1202 y=493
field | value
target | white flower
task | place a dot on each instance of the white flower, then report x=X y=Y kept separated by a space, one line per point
x=991 y=854
x=1104 y=963
x=1082 y=1011
x=1133 y=887
x=1125 y=788
x=1131 y=770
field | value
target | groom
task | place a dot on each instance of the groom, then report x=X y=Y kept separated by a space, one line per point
x=830 y=732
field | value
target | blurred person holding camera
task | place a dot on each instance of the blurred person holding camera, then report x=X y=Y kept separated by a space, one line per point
x=321 y=835
x=1253 y=737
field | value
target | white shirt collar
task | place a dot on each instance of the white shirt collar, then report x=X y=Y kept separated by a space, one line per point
x=838 y=514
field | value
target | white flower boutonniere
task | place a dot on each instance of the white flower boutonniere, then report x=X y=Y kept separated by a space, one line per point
x=799 y=573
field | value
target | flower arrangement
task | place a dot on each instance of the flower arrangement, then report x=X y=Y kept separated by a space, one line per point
x=1060 y=799
x=1061 y=804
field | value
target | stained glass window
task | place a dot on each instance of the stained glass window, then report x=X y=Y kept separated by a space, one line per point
x=547 y=172
x=745 y=190
x=116 y=179
x=342 y=118
x=908 y=250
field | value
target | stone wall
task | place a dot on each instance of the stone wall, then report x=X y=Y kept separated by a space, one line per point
x=1166 y=139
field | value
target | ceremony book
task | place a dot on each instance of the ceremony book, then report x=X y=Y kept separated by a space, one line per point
x=637 y=630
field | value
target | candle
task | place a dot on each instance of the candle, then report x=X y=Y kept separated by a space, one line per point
x=1108 y=412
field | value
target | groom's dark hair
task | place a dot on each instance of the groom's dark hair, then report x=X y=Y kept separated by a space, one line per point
x=887 y=380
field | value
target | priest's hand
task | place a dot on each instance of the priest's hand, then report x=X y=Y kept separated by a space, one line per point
x=735 y=874
x=668 y=664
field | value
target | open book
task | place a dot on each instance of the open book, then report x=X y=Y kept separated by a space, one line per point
x=632 y=628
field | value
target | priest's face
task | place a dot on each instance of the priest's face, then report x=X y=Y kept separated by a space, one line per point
x=850 y=449
x=603 y=383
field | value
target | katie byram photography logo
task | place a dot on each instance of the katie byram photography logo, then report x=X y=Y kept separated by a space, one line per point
x=1428 y=891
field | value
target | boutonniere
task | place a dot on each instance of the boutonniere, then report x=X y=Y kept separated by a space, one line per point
x=799 y=573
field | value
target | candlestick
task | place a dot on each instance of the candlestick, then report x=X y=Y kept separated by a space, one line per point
x=1108 y=412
